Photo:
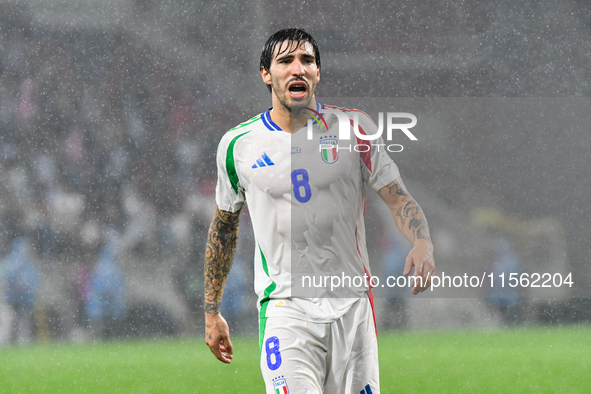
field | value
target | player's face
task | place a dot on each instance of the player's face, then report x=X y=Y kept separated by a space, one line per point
x=293 y=75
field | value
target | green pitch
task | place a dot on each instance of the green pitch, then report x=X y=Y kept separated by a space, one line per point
x=532 y=360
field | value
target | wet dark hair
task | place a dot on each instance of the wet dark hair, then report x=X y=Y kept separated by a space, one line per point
x=296 y=35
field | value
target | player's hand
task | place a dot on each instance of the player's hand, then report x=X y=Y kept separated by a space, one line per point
x=421 y=258
x=217 y=337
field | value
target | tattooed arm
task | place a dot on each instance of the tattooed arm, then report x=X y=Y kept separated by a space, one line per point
x=410 y=220
x=219 y=256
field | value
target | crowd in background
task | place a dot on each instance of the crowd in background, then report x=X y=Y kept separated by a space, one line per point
x=100 y=134
x=106 y=144
x=96 y=131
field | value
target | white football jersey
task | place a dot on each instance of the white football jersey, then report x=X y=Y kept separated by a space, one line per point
x=306 y=198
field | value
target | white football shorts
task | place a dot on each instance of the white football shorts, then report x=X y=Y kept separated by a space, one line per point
x=341 y=357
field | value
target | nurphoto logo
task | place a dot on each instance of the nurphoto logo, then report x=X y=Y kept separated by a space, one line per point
x=345 y=121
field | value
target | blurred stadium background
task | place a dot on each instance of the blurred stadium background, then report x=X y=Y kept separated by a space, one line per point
x=111 y=110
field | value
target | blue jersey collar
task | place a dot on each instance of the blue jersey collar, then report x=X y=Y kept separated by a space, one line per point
x=266 y=118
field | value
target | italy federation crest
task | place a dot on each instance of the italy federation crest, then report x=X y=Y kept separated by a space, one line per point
x=280 y=385
x=329 y=149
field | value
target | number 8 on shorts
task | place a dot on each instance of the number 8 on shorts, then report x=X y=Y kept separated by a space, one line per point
x=273 y=355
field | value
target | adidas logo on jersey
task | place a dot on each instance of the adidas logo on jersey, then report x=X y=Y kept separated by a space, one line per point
x=263 y=161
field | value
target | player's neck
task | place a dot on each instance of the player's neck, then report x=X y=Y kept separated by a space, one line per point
x=290 y=121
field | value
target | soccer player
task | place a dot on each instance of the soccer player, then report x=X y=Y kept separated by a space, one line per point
x=306 y=199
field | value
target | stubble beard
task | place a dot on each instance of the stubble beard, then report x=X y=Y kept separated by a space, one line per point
x=293 y=110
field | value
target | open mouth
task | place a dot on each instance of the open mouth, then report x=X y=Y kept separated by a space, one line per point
x=297 y=89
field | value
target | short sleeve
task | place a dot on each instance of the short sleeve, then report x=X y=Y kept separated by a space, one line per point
x=378 y=168
x=229 y=194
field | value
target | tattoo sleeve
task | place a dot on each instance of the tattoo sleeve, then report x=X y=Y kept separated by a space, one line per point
x=409 y=217
x=219 y=256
